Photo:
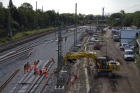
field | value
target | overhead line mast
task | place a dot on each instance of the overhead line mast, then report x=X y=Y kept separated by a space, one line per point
x=75 y=31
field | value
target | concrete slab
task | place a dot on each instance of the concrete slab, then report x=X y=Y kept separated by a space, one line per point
x=44 y=64
x=30 y=80
x=23 y=89
x=36 y=85
x=26 y=78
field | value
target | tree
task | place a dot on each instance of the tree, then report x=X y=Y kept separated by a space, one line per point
x=28 y=16
x=136 y=19
x=122 y=12
x=27 y=6
x=2 y=16
x=11 y=4
x=128 y=20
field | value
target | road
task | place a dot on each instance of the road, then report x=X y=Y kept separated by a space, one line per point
x=43 y=50
x=127 y=80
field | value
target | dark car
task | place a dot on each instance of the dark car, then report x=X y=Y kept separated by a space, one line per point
x=74 y=49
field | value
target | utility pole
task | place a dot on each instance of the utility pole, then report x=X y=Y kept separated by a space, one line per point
x=42 y=18
x=60 y=63
x=102 y=18
x=9 y=23
x=36 y=17
x=75 y=31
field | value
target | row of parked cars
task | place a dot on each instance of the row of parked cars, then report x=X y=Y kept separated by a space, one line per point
x=128 y=51
x=95 y=42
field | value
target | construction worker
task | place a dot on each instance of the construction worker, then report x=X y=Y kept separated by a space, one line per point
x=34 y=66
x=99 y=65
x=37 y=72
x=53 y=60
x=40 y=72
x=28 y=65
x=24 y=68
x=45 y=72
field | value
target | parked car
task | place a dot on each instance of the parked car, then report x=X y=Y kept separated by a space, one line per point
x=92 y=39
x=75 y=49
x=79 y=45
x=95 y=36
x=97 y=45
x=124 y=46
x=116 y=38
x=128 y=55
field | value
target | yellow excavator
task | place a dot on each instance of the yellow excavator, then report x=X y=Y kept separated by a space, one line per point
x=102 y=65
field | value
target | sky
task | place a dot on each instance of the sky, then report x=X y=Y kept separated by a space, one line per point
x=83 y=6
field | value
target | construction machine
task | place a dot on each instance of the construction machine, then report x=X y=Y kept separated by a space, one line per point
x=102 y=65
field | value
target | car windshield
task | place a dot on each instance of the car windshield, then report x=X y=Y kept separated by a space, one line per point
x=129 y=53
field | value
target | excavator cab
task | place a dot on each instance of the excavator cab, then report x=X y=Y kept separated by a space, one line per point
x=102 y=64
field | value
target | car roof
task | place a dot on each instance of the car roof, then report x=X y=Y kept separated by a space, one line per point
x=128 y=50
x=115 y=35
x=124 y=43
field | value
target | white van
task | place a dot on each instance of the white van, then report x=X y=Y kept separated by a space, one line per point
x=128 y=55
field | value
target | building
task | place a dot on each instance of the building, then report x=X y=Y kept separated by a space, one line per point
x=129 y=36
x=1 y=4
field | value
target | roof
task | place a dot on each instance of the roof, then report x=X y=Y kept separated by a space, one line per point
x=129 y=49
x=128 y=36
x=129 y=33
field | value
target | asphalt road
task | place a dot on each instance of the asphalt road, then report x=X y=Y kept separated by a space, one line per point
x=43 y=50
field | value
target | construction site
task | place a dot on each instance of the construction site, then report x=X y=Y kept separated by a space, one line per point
x=85 y=70
x=49 y=52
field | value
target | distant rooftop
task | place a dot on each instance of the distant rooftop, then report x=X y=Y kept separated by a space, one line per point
x=130 y=28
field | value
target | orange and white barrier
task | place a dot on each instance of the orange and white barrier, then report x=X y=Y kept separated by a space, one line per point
x=73 y=79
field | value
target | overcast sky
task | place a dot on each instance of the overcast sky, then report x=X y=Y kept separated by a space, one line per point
x=83 y=6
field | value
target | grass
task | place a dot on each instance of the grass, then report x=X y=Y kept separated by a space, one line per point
x=23 y=34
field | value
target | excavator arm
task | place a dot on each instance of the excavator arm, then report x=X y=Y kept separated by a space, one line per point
x=105 y=65
x=77 y=55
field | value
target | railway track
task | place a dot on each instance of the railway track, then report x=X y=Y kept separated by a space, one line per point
x=8 y=80
x=30 y=82
x=46 y=83
x=26 y=39
x=24 y=47
x=13 y=55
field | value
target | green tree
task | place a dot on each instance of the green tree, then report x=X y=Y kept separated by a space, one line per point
x=136 y=20
x=28 y=15
x=128 y=20
x=2 y=16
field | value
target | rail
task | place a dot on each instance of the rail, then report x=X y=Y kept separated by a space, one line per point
x=26 y=39
x=46 y=83
x=2 y=60
x=33 y=85
x=8 y=80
